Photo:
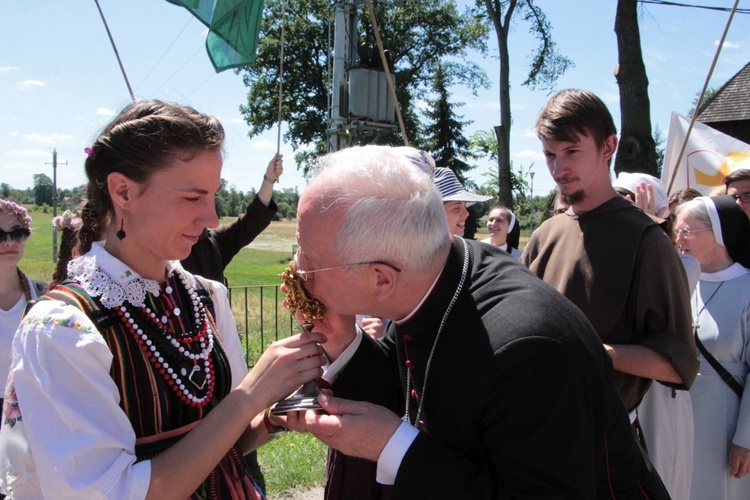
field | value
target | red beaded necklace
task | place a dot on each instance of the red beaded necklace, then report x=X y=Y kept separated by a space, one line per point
x=167 y=350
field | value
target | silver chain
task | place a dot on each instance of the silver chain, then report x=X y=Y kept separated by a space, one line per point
x=696 y=320
x=464 y=272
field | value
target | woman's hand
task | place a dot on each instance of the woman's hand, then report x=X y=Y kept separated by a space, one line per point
x=286 y=365
x=275 y=167
x=739 y=461
x=645 y=199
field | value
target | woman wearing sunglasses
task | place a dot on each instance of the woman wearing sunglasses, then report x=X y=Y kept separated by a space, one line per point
x=16 y=290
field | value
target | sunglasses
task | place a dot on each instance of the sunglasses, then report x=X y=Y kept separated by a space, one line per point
x=18 y=235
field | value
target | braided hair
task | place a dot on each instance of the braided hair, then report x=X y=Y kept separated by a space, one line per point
x=67 y=225
x=142 y=139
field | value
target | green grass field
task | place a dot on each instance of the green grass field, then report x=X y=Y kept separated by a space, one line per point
x=291 y=461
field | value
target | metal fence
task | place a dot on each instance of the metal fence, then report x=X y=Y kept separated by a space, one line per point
x=260 y=317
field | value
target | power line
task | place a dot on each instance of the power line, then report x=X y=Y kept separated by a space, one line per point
x=707 y=7
x=179 y=69
x=200 y=85
x=190 y=18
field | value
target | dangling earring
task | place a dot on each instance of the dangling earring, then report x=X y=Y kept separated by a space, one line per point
x=121 y=233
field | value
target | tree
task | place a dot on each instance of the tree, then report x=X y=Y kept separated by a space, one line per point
x=43 y=190
x=6 y=191
x=445 y=140
x=546 y=67
x=660 y=149
x=637 y=149
x=443 y=135
x=418 y=35
x=710 y=93
x=484 y=143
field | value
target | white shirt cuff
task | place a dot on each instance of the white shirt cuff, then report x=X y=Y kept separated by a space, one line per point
x=332 y=370
x=393 y=453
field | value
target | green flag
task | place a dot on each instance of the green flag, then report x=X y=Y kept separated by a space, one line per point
x=233 y=29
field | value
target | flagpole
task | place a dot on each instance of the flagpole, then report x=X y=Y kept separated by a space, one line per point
x=700 y=98
x=281 y=75
x=111 y=40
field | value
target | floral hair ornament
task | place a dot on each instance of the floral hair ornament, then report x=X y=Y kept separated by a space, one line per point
x=68 y=220
x=20 y=212
x=90 y=152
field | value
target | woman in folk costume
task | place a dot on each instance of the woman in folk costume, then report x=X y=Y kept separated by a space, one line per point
x=717 y=233
x=128 y=380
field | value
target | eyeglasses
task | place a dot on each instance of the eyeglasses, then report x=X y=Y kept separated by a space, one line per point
x=685 y=233
x=18 y=235
x=303 y=273
x=743 y=197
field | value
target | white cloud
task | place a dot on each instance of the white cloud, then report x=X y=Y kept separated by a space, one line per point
x=37 y=153
x=44 y=139
x=529 y=154
x=491 y=105
x=422 y=105
x=654 y=55
x=263 y=145
x=8 y=69
x=29 y=83
x=728 y=45
x=234 y=121
x=611 y=98
x=105 y=112
x=527 y=133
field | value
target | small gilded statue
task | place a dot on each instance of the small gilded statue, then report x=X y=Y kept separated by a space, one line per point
x=299 y=300
x=311 y=309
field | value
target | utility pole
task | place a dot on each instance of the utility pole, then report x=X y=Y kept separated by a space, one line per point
x=54 y=201
x=359 y=103
x=344 y=46
x=531 y=201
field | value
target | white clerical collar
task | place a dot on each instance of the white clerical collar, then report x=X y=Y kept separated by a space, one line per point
x=731 y=272
x=429 y=291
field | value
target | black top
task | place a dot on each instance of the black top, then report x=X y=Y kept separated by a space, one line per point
x=215 y=249
x=520 y=400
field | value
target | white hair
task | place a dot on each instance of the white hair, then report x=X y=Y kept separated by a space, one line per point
x=696 y=208
x=392 y=211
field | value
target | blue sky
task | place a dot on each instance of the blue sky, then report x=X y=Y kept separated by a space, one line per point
x=60 y=82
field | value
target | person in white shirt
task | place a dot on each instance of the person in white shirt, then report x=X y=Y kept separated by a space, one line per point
x=16 y=289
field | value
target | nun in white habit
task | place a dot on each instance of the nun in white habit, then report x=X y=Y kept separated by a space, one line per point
x=717 y=233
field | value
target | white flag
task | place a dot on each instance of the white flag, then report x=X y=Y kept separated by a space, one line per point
x=709 y=156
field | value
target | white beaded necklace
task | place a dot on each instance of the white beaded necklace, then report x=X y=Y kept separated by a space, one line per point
x=204 y=336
